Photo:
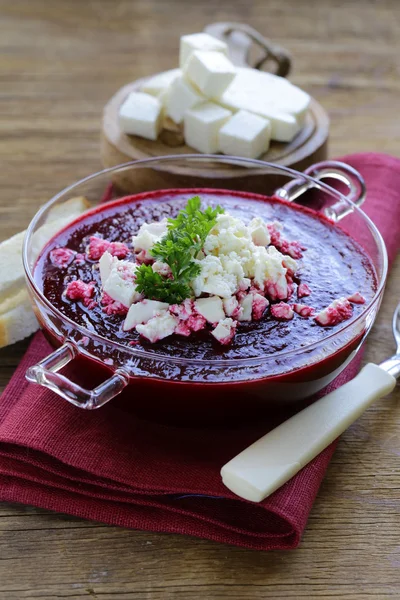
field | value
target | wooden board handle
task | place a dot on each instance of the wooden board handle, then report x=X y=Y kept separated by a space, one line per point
x=241 y=37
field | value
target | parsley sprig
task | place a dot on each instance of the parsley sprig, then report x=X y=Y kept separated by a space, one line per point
x=178 y=248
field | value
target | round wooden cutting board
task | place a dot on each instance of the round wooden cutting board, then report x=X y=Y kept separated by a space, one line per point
x=308 y=147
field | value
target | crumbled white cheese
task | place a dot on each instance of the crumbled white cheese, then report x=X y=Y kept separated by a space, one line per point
x=214 y=279
x=120 y=284
x=161 y=268
x=260 y=303
x=246 y=304
x=149 y=234
x=210 y=308
x=259 y=232
x=265 y=267
x=158 y=327
x=142 y=312
x=229 y=234
x=238 y=268
x=106 y=262
x=231 y=306
x=225 y=331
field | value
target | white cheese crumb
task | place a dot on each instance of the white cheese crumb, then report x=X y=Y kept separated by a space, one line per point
x=225 y=331
x=259 y=232
x=231 y=306
x=142 y=312
x=158 y=327
x=247 y=304
x=210 y=308
x=106 y=262
x=149 y=234
x=120 y=285
x=162 y=268
x=214 y=279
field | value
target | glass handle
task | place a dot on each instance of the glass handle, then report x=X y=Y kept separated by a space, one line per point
x=329 y=169
x=240 y=39
x=45 y=373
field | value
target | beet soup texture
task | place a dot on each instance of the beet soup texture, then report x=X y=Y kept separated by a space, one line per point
x=333 y=265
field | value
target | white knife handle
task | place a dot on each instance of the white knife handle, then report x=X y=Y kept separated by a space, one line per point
x=271 y=461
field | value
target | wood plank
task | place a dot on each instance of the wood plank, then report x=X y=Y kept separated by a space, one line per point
x=60 y=62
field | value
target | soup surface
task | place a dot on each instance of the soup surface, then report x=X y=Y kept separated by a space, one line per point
x=332 y=266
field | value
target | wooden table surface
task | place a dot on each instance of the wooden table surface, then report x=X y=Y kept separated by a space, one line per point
x=60 y=61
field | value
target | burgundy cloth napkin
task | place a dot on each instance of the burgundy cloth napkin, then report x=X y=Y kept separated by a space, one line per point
x=110 y=466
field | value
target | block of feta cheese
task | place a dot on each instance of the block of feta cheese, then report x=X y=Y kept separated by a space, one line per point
x=245 y=134
x=141 y=114
x=202 y=124
x=210 y=308
x=269 y=96
x=159 y=83
x=199 y=41
x=142 y=312
x=181 y=97
x=120 y=284
x=211 y=72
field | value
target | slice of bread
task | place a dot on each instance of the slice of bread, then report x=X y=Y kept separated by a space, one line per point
x=12 y=275
x=11 y=268
x=69 y=209
x=18 y=322
x=17 y=319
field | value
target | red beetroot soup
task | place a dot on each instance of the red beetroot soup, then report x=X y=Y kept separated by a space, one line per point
x=332 y=266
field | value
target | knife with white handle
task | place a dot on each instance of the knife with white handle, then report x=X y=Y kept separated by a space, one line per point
x=271 y=461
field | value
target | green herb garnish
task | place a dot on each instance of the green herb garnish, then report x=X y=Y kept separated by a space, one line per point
x=178 y=248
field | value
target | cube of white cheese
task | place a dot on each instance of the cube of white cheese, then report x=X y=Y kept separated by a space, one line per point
x=225 y=331
x=202 y=124
x=120 y=285
x=269 y=96
x=142 y=312
x=199 y=41
x=245 y=134
x=158 y=327
x=181 y=97
x=141 y=114
x=231 y=306
x=259 y=232
x=211 y=72
x=106 y=262
x=247 y=304
x=160 y=82
x=210 y=308
x=149 y=234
